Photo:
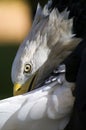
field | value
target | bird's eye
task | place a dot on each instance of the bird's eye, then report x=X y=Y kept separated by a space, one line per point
x=27 y=68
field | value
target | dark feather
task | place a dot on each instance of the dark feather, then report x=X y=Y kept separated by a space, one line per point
x=76 y=62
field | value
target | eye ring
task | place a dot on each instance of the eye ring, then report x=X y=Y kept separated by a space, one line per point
x=27 y=68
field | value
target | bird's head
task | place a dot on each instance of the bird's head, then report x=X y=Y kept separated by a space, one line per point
x=30 y=57
x=51 y=36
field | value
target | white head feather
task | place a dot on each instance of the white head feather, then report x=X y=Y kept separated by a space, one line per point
x=50 y=39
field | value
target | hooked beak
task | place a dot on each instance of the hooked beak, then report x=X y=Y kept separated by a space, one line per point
x=29 y=85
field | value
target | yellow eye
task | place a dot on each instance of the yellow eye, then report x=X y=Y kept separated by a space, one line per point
x=27 y=68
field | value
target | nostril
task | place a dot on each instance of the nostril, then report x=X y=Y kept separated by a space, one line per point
x=18 y=89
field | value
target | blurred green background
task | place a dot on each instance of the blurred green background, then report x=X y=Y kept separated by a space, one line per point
x=7 y=53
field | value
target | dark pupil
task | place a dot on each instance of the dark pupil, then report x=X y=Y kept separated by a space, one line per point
x=27 y=68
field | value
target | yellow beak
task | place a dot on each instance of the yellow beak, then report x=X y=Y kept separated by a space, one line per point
x=19 y=89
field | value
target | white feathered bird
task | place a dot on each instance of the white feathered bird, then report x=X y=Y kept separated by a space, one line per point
x=46 y=108
x=48 y=43
x=50 y=106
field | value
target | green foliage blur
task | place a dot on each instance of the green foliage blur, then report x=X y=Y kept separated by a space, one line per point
x=7 y=54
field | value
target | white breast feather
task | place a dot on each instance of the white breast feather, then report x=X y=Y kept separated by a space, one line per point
x=45 y=108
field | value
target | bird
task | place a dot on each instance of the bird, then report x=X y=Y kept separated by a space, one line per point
x=75 y=62
x=50 y=41
x=46 y=107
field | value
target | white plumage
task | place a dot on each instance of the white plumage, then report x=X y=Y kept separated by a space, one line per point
x=46 y=108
